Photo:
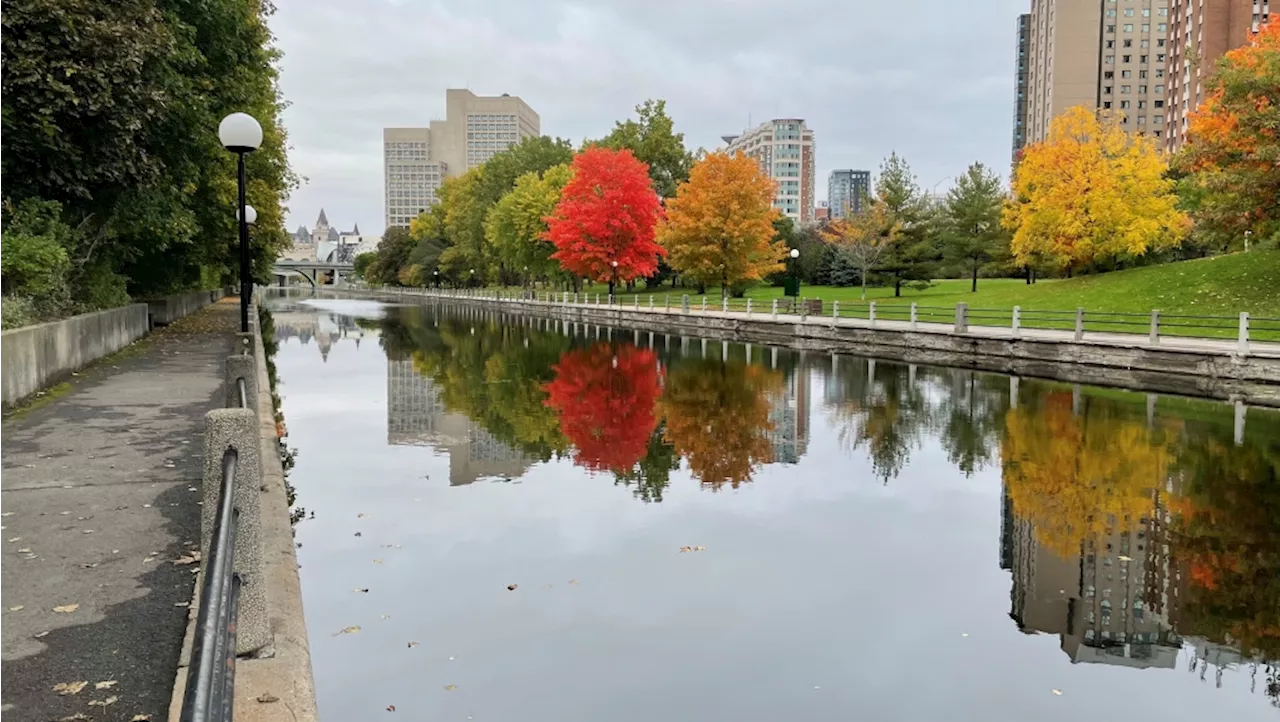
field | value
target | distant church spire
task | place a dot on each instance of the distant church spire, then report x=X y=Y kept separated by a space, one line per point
x=323 y=220
x=356 y=231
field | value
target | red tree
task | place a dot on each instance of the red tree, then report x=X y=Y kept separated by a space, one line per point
x=603 y=226
x=606 y=397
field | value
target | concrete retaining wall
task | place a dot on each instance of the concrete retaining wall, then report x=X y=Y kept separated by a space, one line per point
x=1253 y=379
x=165 y=311
x=36 y=357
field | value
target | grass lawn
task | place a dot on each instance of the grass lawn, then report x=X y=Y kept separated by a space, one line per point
x=1219 y=286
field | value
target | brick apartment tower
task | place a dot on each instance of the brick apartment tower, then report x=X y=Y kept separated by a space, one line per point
x=1201 y=32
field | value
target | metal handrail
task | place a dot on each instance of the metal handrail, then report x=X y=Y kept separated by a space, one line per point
x=244 y=393
x=209 y=694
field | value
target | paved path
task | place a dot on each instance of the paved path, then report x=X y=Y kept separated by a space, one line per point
x=99 y=498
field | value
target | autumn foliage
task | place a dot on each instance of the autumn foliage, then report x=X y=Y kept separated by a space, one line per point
x=606 y=397
x=718 y=418
x=1075 y=476
x=607 y=213
x=1233 y=142
x=719 y=228
x=1091 y=192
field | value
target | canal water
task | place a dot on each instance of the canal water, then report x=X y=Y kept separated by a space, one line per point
x=501 y=518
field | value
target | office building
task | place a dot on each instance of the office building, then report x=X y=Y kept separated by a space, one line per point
x=410 y=177
x=847 y=190
x=784 y=149
x=475 y=128
x=1020 y=86
x=1100 y=54
x=1201 y=32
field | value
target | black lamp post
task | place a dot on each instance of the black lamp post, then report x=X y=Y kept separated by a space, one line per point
x=241 y=134
x=795 y=272
x=613 y=280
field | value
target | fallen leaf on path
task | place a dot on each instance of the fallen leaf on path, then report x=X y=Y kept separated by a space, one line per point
x=140 y=718
x=1124 y=558
x=24 y=551
x=182 y=604
x=361 y=590
x=391 y=708
x=66 y=608
x=412 y=645
x=267 y=698
x=512 y=587
x=148 y=560
x=191 y=558
x=104 y=702
x=88 y=566
x=15 y=539
x=450 y=687
x=108 y=684
x=7 y=513
x=18 y=608
x=86 y=531
x=348 y=630
x=65 y=688
x=75 y=717
x=38 y=635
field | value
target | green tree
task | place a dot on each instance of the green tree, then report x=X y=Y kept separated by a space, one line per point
x=969 y=221
x=652 y=475
x=911 y=256
x=651 y=138
x=361 y=264
x=392 y=256
x=516 y=226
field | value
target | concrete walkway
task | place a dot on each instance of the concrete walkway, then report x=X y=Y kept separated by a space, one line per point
x=100 y=502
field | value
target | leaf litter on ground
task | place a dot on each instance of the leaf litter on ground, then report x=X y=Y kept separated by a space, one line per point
x=66 y=608
x=66 y=688
x=347 y=630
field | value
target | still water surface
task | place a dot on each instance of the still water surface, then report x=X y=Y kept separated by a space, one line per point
x=537 y=523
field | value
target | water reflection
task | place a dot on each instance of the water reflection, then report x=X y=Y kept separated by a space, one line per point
x=1140 y=531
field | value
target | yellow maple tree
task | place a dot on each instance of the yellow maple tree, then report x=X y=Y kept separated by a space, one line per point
x=1091 y=192
x=1077 y=477
x=719 y=227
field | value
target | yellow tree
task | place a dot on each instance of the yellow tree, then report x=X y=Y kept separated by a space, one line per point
x=1091 y=192
x=1076 y=477
x=866 y=236
x=719 y=227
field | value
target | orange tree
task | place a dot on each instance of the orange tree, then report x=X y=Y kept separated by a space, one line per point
x=717 y=417
x=1091 y=192
x=603 y=226
x=605 y=397
x=719 y=227
x=1232 y=154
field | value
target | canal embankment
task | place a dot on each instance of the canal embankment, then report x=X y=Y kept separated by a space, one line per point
x=1213 y=368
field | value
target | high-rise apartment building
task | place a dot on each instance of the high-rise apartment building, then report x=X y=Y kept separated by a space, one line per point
x=475 y=128
x=785 y=151
x=1020 y=85
x=1102 y=54
x=846 y=191
x=1200 y=32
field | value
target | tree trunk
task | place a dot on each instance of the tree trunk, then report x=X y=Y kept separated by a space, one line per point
x=1028 y=275
x=897 y=287
x=864 y=282
x=975 y=278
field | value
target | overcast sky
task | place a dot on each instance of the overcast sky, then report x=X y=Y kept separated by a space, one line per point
x=932 y=79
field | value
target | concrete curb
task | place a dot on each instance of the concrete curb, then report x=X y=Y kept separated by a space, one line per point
x=286 y=675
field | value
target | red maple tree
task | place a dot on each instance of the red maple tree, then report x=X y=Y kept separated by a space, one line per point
x=606 y=398
x=603 y=226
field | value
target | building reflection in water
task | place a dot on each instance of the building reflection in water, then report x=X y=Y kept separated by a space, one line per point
x=416 y=416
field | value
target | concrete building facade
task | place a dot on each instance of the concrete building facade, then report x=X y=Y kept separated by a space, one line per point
x=417 y=160
x=1201 y=32
x=784 y=148
x=846 y=191
x=1102 y=54
x=1020 y=89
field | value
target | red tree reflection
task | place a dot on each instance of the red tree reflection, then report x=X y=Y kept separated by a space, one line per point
x=605 y=396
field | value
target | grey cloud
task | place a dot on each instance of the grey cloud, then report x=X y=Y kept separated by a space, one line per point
x=932 y=79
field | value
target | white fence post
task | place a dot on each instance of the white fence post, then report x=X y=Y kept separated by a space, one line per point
x=914 y=316
x=724 y=304
x=748 y=312
x=1079 y=324
x=1155 y=325
x=1243 y=343
x=1017 y=321
x=704 y=304
x=871 y=313
x=962 y=318
x=775 y=309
